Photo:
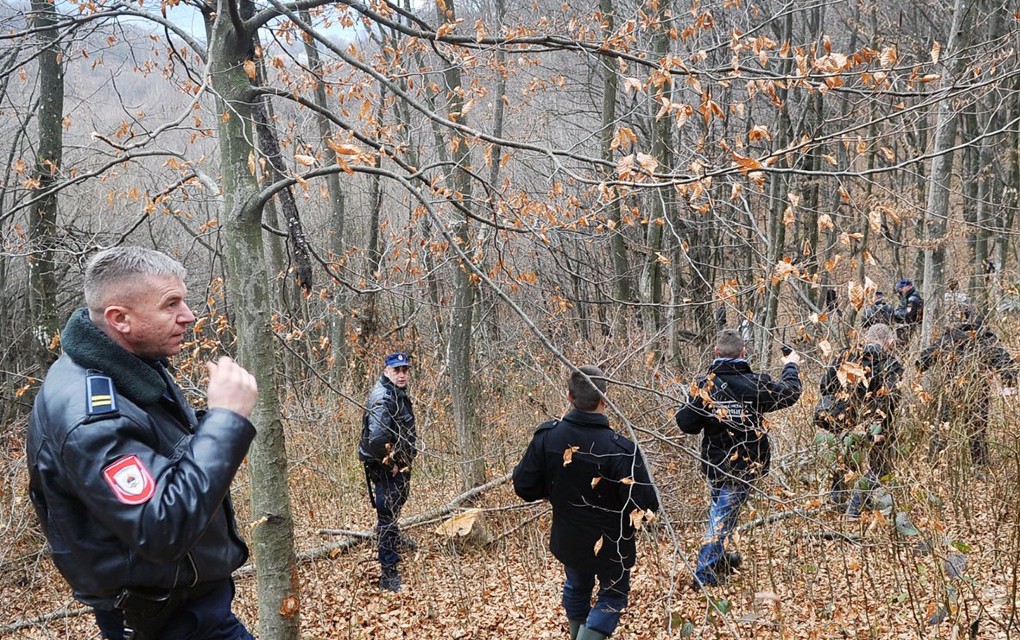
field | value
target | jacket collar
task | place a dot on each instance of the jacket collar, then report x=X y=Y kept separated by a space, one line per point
x=587 y=418
x=729 y=365
x=89 y=347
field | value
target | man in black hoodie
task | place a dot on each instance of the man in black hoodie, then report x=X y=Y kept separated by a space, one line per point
x=866 y=379
x=729 y=405
x=962 y=362
x=599 y=488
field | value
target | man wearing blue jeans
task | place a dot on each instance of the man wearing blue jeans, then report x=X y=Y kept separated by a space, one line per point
x=728 y=405
x=599 y=487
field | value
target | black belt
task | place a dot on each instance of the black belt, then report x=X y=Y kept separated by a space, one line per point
x=145 y=607
x=141 y=595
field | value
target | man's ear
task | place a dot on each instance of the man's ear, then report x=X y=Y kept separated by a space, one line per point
x=117 y=319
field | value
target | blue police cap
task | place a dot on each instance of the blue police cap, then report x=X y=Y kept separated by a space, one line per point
x=904 y=283
x=398 y=359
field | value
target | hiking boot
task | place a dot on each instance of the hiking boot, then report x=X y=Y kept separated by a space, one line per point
x=389 y=580
x=728 y=563
x=697 y=584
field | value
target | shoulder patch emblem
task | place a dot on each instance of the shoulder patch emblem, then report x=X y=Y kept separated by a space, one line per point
x=130 y=481
x=100 y=396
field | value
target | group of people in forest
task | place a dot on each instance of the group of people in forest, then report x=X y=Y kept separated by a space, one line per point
x=131 y=486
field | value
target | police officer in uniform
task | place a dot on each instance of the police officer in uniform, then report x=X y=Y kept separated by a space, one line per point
x=595 y=480
x=389 y=444
x=131 y=487
x=910 y=312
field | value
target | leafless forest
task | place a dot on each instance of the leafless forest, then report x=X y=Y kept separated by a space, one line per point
x=507 y=190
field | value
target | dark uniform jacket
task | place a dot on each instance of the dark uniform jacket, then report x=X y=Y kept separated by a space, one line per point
x=969 y=350
x=388 y=435
x=911 y=309
x=131 y=489
x=735 y=445
x=593 y=490
x=871 y=399
x=879 y=313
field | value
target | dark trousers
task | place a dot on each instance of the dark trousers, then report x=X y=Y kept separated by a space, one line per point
x=973 y=413
x=614 y=590
x=391 y=492
x=206 y=618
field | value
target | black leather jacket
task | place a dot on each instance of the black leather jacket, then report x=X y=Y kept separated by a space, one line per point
x=911 y=309
x=589 y=500
x=388 y=421
x=879 y=313
x=165 y=521
x=729 y=407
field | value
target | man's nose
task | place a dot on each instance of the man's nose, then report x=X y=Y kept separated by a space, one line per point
x=187 y=317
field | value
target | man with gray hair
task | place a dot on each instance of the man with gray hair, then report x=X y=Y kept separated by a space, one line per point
x=728 y=405
x=865 y=379
x=131 y=486
x=599 y=488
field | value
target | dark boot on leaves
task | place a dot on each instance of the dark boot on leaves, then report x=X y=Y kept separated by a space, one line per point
x=729 y=563
x=390 y=579
x=575 y=627
x=590 y=634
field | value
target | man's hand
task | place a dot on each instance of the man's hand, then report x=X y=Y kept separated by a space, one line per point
x=231 y=387
x=791 y=358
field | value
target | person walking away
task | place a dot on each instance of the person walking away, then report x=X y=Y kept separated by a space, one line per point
x=599 y=488
x=962 y=363
x=389 y=444
x=728 y=405
x=865 y=379
x=130 y=485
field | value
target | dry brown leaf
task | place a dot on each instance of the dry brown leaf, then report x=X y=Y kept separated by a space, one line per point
x=598 y=545
x=459 y=525
x=568 y=455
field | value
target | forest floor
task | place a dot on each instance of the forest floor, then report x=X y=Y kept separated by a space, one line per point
x=945 y=567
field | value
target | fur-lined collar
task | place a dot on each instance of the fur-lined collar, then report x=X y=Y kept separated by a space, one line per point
x=89 y=347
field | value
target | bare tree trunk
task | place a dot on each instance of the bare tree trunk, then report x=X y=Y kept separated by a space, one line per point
x=936 y=215
x=778 y=200
x=374 y=251
x=652 y=271
x=336 y=201
x=610 y=89
x=462 y=382
x=230 y=46
x=49 y=156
